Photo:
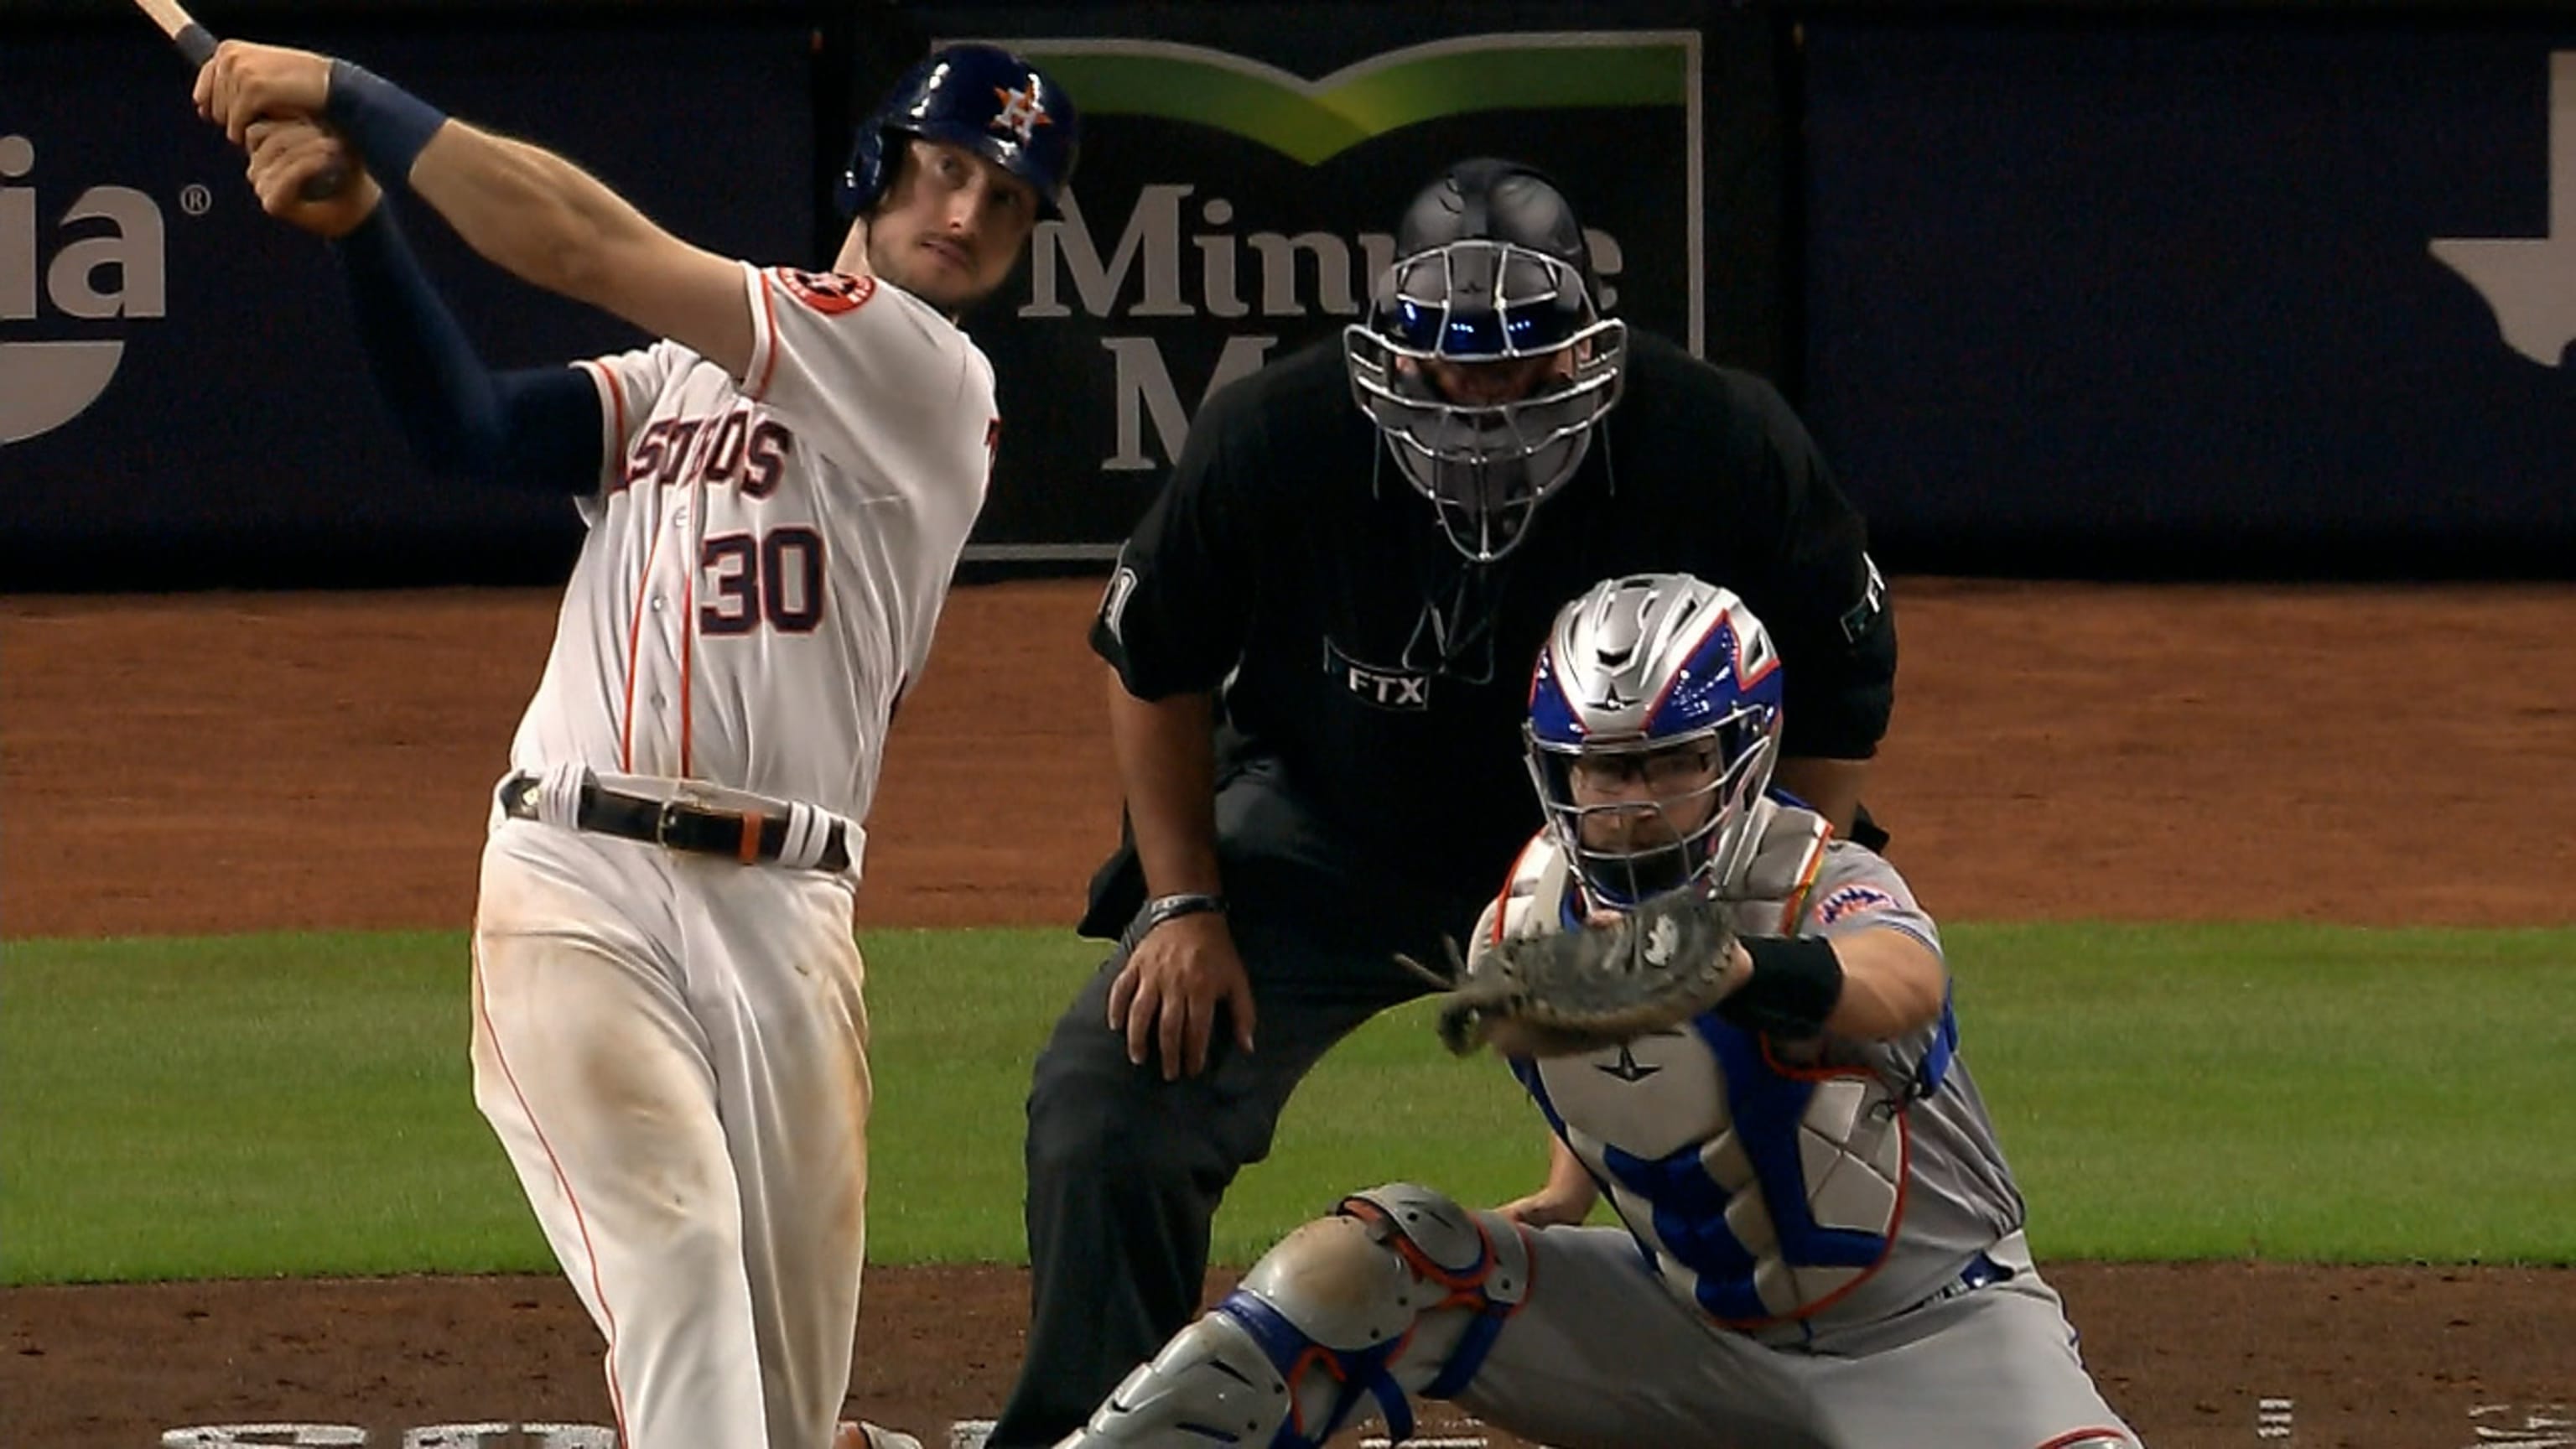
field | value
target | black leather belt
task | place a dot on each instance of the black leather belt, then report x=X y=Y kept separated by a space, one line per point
x=746 y=835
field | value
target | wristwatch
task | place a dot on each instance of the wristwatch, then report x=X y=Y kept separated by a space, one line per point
x=1163 y=908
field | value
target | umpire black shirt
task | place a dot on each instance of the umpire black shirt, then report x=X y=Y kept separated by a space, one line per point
x=1380 y=681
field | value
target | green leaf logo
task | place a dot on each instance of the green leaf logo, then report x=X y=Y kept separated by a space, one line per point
x=1312 y=121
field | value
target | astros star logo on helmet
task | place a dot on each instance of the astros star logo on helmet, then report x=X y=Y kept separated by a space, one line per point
x=1022 y=112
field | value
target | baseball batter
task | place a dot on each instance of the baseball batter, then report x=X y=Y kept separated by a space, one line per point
x=1821 y=1244
x=669 y=1035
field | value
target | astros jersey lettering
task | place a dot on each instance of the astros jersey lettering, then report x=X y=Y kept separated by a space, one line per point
x=767 y=562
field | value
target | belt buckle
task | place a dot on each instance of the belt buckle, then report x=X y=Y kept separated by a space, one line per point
x=663 y=820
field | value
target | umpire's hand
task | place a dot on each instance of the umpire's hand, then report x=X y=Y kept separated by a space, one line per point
x=1168 y=993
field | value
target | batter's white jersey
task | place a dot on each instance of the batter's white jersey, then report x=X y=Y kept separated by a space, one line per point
x=767 y=559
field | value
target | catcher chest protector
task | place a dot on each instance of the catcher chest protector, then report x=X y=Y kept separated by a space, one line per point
x=987 y=100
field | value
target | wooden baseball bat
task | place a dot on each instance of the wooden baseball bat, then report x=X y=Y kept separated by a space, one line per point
x=197 y=43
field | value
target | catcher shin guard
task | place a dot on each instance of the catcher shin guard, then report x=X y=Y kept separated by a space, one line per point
x=1400 y=1292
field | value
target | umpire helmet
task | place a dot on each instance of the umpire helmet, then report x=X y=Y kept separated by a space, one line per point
x=982 y=98
x=1491 y=266
x=1663 y=680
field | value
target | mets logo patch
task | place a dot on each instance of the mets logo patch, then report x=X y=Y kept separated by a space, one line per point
x=1852 y=900
x=828 y=292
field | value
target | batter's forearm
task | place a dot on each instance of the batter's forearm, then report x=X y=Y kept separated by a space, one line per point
x=1166 y=755
x=1830 y=787
x=527 y=210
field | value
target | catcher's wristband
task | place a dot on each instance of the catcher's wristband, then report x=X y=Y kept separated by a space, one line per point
x=1793 y=988
x=1165 y=908
x=388 y=124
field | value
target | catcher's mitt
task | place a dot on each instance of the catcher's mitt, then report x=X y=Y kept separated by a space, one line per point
x=1579 y=991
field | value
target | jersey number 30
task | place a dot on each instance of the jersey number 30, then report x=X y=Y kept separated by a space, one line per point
x=775 y=579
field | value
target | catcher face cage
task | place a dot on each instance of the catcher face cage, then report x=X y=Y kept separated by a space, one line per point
x=1662 y=682
x=1491 y=269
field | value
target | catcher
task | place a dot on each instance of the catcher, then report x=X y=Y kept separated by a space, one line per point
x=1738 y=1028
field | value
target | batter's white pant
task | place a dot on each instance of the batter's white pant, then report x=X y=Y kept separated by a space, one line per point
x=673 y=1050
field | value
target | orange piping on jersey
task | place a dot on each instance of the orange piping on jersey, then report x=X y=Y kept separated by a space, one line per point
x=769 y=316
x=751 y=837
x=688 y=643
x=635 y=643
x=2098 y=1433
x=1796 y=907
x=1503 y=897
x=614 y=455
x=580 y=1222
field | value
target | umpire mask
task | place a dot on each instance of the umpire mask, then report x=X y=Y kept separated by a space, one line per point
x=1485 y=361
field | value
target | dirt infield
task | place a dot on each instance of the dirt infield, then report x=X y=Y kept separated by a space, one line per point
x=2059 y=751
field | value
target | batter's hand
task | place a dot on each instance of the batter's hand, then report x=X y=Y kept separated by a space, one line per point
x=245 y=83
x=285 y=155
x=1167 y=994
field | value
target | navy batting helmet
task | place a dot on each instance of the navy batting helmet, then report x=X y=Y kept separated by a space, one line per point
x=982 y=98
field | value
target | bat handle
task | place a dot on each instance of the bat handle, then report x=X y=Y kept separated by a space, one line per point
x=195 y=42
x=323 y=185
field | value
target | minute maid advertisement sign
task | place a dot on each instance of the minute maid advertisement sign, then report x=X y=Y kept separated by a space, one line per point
x=1227 y=210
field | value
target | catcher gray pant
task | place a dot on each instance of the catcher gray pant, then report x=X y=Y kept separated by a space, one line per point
x=1125 y=1170
x=1602 y=1356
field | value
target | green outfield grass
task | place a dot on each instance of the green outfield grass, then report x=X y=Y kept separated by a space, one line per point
x=298 y=1104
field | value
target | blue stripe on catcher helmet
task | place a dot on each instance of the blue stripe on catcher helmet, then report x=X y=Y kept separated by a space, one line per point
x=1654 y=719
x=982 y=98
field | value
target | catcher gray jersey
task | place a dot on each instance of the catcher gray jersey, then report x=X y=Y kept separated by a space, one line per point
x=1776 y=1193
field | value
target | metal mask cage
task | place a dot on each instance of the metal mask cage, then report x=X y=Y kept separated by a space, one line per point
x=1711 y=855
x=1485 y=466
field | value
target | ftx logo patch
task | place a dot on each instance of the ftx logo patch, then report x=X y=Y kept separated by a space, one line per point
x=1377 y=686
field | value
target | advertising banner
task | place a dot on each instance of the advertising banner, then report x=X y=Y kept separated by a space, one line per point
x=2282 y=296
x=1240 y=182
